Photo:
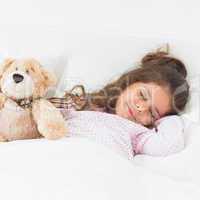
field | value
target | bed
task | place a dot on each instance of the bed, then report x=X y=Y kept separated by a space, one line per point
x=77 y=168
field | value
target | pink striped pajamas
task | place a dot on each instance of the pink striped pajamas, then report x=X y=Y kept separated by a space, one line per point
x=126 y=137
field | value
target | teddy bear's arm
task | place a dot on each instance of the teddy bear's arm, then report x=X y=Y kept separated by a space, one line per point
x=3 y=99
x=49 y=120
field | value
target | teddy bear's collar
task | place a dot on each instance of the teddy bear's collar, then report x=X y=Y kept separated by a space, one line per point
x=25 y=103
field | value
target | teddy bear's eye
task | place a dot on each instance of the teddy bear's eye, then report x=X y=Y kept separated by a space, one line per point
x=27 y=71
x=16 y=68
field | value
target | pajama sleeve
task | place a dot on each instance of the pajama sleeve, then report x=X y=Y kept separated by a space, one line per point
x=168 y=139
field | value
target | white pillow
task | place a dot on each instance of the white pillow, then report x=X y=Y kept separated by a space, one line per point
x=58 y=66
x=55 y=64
x=44 y=44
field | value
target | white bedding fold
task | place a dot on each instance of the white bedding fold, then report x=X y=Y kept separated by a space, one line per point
x=77 y=168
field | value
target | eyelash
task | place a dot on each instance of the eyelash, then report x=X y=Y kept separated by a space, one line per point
x=146 y=100
x=143 y=96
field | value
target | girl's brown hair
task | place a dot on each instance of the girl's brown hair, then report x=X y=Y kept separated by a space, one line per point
x=158 y=67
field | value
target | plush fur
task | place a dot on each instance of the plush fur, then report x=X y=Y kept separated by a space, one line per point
x=26 y=79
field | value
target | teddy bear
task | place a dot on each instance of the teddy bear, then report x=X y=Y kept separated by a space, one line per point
x=25 y=113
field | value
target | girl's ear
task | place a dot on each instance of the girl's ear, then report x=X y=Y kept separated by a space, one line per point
x=5 y=65
x=50 y=78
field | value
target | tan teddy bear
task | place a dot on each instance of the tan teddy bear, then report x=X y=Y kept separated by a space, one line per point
x=24 y=113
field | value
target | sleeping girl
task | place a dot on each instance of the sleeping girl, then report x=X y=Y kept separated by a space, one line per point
x=139 y=113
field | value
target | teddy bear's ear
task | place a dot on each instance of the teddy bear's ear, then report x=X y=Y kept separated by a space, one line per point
x=50 y=78
x=5 y=65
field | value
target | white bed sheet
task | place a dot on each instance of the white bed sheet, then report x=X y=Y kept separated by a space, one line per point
x=77 y=168
x=183 y=166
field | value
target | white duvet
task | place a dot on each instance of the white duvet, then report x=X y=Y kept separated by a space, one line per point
x=183 y=166
x=77 y=168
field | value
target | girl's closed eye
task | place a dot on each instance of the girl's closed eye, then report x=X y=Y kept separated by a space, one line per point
x=144 y=96
x=141 y=95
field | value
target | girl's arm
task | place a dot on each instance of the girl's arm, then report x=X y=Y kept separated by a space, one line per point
x=168 y=139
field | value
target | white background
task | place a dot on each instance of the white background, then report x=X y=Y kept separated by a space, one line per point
x=101 y=39
x=152 y=18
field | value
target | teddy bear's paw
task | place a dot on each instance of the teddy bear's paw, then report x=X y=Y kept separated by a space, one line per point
x=52 y=130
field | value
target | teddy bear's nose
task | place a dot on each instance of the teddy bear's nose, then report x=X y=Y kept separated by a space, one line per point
x=18 y=78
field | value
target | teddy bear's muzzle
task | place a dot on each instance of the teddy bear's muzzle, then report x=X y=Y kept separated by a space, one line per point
x=18 y=78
